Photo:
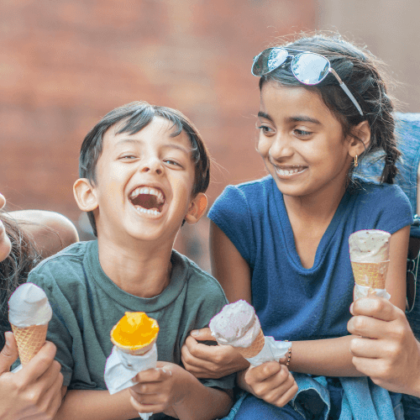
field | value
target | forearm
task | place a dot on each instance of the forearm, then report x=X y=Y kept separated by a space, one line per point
x=203 y=403
x=329 y=357
x=96 y=405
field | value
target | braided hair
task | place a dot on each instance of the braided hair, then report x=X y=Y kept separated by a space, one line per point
x=358 y=69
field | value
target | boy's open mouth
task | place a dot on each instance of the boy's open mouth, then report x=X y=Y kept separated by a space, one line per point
x=147 y=200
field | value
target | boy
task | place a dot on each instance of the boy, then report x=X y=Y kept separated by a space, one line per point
x=143 y=173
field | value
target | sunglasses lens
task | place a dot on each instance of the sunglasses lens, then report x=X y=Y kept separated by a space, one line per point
x=268 y=61
x=310 y=68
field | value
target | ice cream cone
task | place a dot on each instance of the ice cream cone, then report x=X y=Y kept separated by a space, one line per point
x=134 y=350
x=135 y=333
x=256 y=346
x=370 y=274
x=29 y=340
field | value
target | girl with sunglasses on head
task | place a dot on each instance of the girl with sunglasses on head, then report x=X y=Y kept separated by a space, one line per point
x=26 y=237
x=281 y=242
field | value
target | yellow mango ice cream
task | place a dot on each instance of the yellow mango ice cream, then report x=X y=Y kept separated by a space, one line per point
x=135 y=333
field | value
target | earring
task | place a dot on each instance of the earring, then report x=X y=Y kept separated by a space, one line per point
x=355 y=162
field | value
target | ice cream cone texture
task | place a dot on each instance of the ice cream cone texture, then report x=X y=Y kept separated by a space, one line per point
x=369 y=256
x=29 y=315
x=135 y=333
x=237 y=325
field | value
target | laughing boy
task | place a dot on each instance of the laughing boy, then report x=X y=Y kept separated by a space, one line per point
x=143 y=173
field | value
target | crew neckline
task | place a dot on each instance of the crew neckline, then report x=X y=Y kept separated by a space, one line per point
x=95 y=273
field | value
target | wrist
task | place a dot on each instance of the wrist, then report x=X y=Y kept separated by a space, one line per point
x=415 y=387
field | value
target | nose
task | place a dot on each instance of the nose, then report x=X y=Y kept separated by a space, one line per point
x=281 y=147
x=151 y=164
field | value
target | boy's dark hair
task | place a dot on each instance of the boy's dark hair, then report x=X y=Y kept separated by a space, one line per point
x=359 y=71
x=136 y=116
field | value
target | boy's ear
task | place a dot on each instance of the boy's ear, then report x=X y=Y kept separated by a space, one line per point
x=360 y=139
x=197 y=208
x=84 y=195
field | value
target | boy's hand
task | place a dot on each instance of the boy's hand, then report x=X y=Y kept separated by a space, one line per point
x=34 y=391
x=385 y=347
x=159 y=389
x=5 y=245
x=210 y=361
x=271 y=381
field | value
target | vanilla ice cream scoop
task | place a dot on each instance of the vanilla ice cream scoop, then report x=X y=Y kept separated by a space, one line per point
x=369 y=246
x=28 y=306
x=235 y=325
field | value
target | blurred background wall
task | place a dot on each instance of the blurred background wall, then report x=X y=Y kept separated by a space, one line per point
x=64 y=64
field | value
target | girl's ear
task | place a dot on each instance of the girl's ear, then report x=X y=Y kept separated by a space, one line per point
x=359 y=139
x=85 y=195
x=196 y=209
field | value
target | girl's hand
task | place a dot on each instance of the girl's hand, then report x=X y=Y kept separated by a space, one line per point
x=385 y=347
x=271 y=381
x=210 y=361
x=5 y=245
x=34 y=391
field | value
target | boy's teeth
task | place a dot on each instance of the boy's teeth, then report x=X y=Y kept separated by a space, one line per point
x=148 y=190
x=143 y=210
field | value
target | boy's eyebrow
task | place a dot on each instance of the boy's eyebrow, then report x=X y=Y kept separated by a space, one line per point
x=166 y=146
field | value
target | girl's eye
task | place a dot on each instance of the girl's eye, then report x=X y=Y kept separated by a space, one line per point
x=265 y=129
x=302 y=133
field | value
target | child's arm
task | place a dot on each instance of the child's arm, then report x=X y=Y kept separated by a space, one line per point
x=173 y=390
x=329 y=357
x=96 y=405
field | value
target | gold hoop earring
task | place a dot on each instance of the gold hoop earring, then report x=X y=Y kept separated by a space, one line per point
x=355 y=162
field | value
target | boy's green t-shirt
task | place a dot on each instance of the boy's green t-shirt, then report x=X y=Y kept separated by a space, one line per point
x=87 y=304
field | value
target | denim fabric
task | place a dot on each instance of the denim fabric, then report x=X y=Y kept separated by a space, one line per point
x=321 y=398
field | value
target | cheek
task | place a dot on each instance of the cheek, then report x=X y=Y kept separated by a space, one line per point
x=263 y=145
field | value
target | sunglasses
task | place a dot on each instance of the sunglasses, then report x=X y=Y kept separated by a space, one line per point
x=308 y=67
x=413 y=262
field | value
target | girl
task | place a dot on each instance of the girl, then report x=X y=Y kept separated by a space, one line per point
x=25 y=238
x=281 y=242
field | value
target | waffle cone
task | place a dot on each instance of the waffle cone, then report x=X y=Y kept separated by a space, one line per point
x=134 y=350
x=29 y=340
x=254 y=348
x=370 y=274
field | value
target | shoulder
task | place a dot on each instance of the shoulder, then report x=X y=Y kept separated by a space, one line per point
x=238 y=199
x=384 y=205
x=371 y=191
x=64 y=268
x=248 y=189
x=201 y=286
x=50 y=231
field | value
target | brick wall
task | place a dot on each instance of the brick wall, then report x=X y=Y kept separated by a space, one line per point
x=64 y=64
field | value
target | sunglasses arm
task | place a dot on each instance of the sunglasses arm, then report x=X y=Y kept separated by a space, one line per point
x=346 y=90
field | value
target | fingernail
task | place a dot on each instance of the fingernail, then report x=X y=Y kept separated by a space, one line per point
x=351 y=308
x=195 y=333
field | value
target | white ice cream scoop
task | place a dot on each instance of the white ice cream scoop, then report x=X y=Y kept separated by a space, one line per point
x=28 y=306
x=235 y=325
x=369 y=246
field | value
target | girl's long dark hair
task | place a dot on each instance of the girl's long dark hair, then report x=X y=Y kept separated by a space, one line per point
x=15 y=268
x=359 y=70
